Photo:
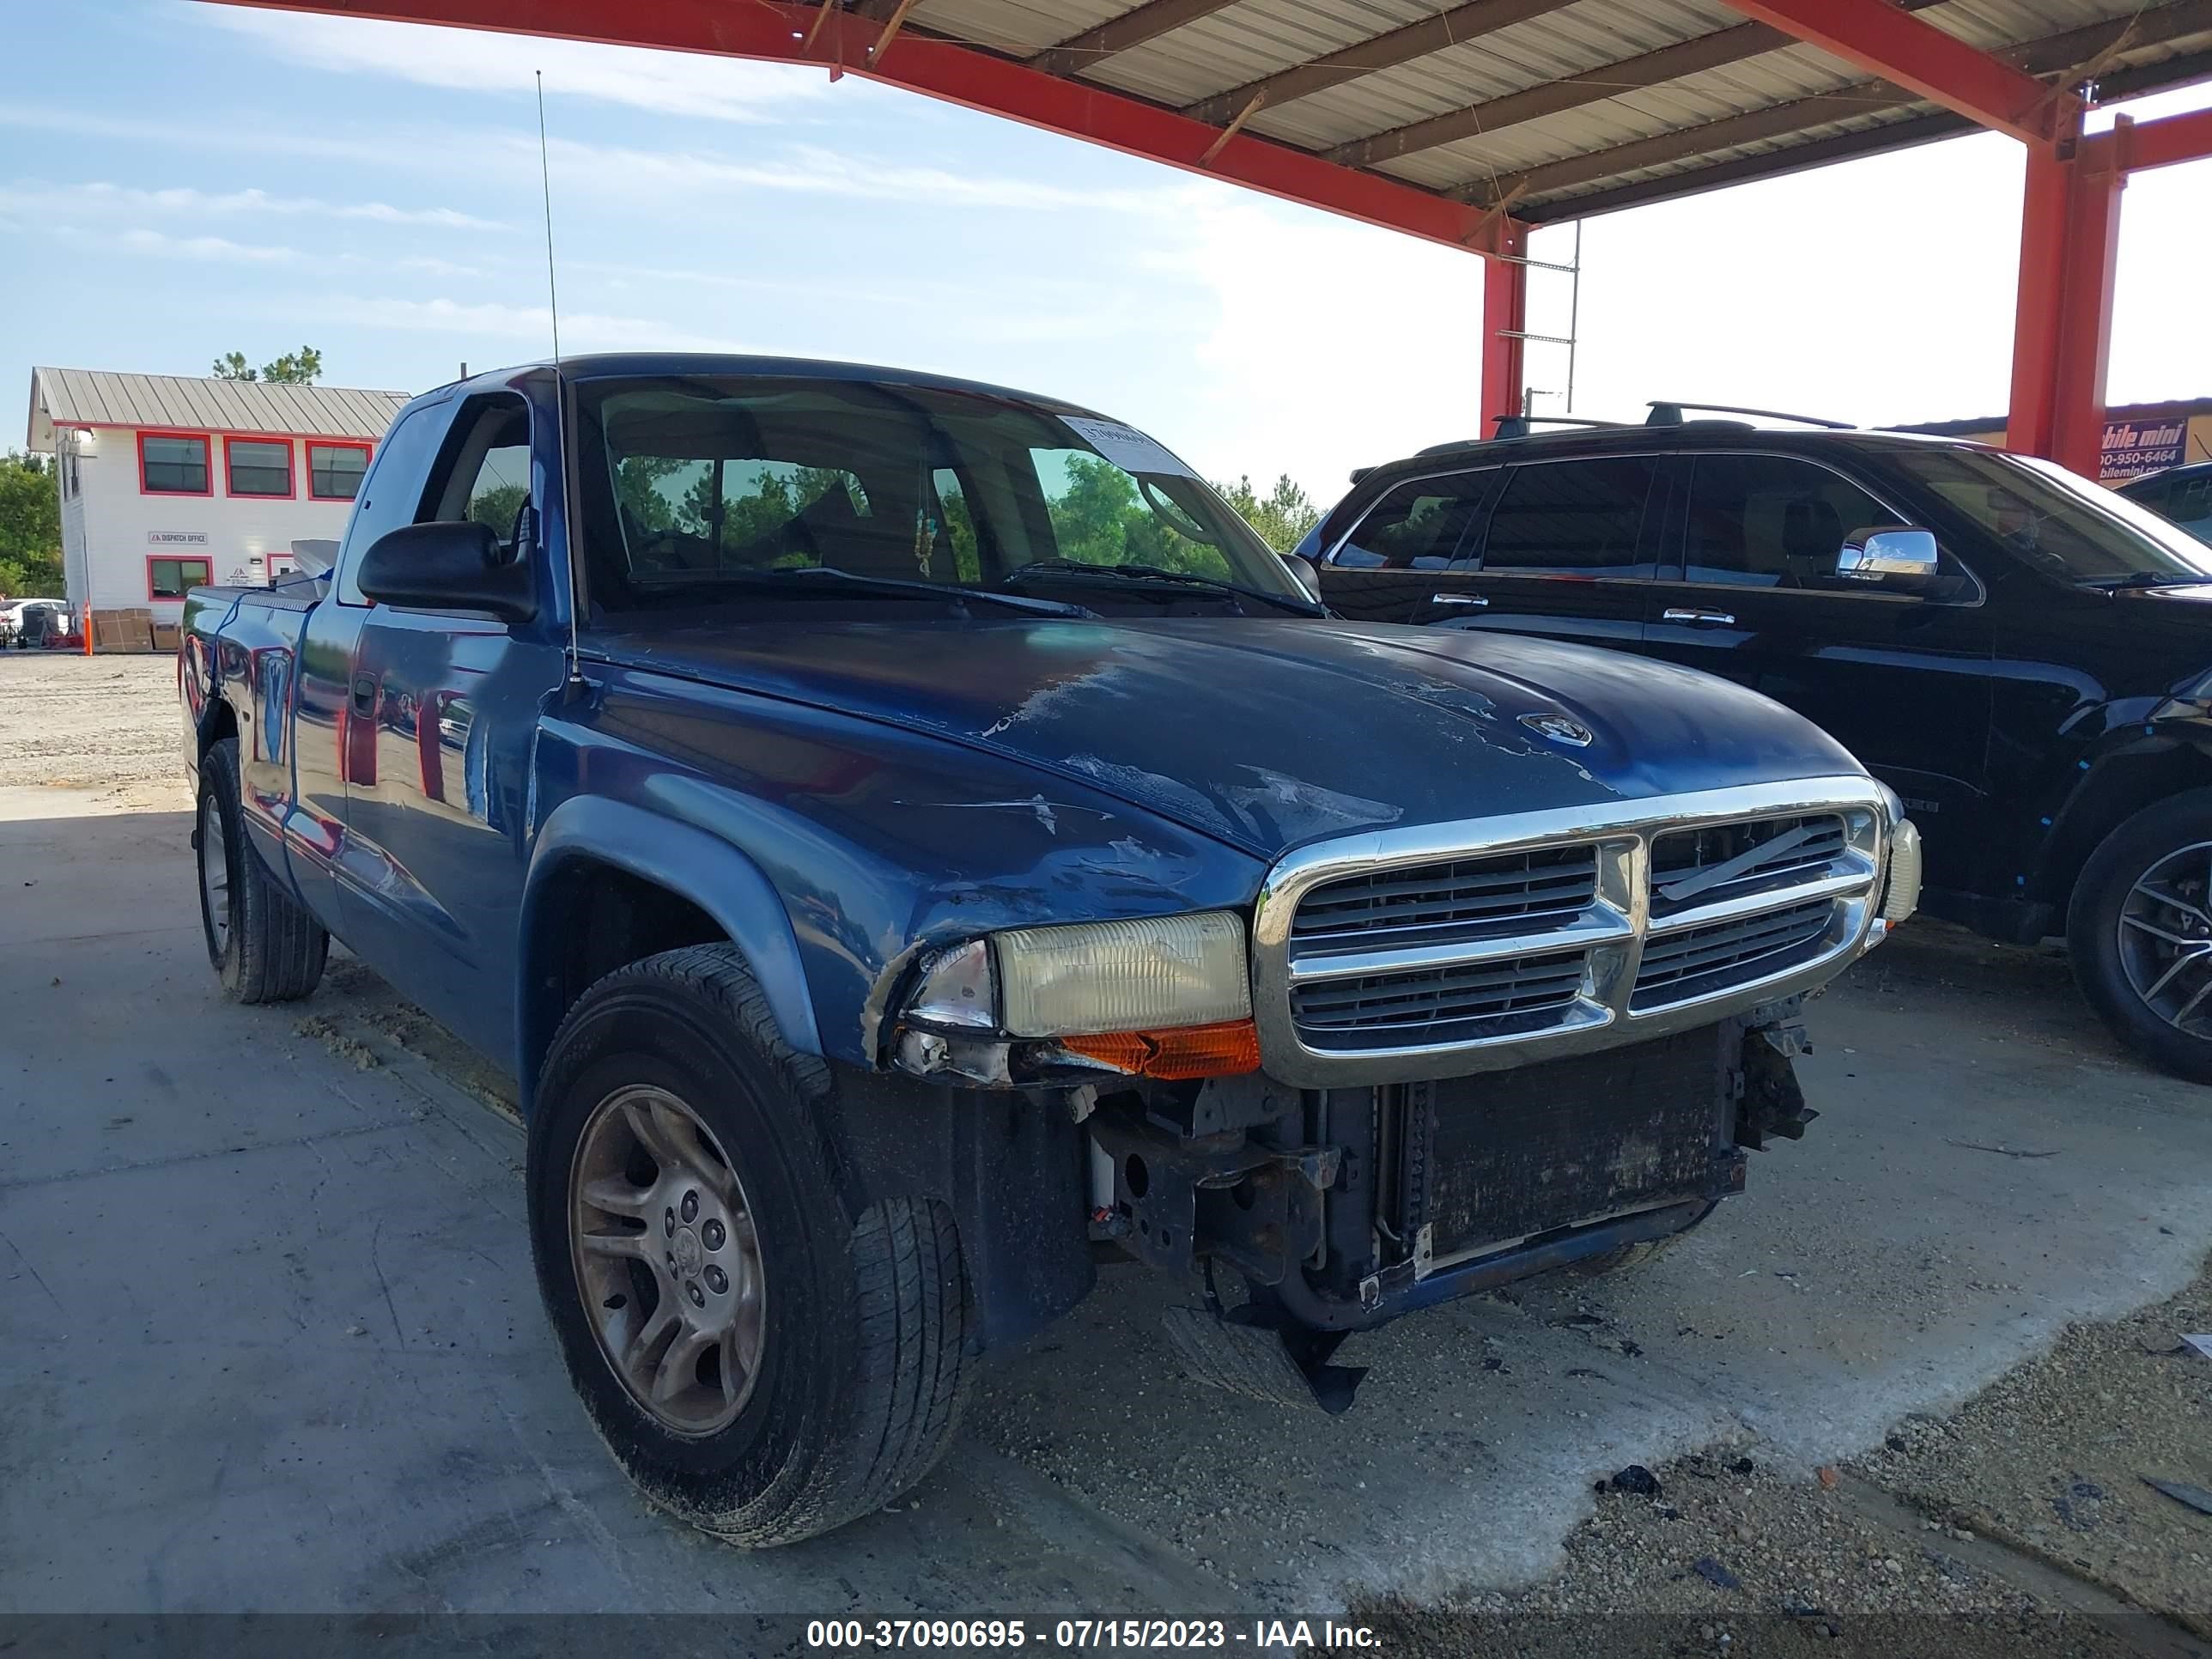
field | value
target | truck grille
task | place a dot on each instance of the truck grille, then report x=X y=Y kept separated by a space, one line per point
x=1439 y=1005
x=1770 y=853
x=1458 y=898
x=1373 y=956
x=1696 y=962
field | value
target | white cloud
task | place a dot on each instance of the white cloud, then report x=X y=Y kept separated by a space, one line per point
x=477 y=61
x=532 y=324
x=808 y=170
x=218 y=249
x=30 y=196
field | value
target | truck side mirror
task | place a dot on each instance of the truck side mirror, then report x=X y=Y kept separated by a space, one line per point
x=1894 y=555
x=448 y=565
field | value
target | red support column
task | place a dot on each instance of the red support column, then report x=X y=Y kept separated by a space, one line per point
x=2063 y=321
x=1504 y=318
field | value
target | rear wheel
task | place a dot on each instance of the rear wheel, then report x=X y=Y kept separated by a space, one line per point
x=763 y=1363
x=262 y=944
x=2140 y=932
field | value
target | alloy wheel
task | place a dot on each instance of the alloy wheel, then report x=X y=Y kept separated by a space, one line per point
x=2165 y=939
x=667 y=1259
x=215 y=874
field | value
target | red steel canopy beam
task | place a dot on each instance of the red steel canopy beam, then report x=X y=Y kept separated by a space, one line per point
x=771 y=31
x=2166 y=142
x=1914 y=53
x=1504 y=320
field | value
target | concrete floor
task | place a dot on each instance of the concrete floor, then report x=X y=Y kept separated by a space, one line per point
x=269 y=1339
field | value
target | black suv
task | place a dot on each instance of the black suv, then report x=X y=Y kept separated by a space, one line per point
x=2025 y=657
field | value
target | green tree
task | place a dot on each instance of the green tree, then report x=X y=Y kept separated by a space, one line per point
x=30 y=528
x=300 y=368
x=1281 y=517
x=498 y=504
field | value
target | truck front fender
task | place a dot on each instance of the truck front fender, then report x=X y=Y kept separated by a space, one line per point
x=702 y=869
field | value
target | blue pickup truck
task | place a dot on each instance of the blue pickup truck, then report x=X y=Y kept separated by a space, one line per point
x=926 y=843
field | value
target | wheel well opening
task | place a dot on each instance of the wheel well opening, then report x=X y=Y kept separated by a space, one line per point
x=2117 y=790
x=594 y=918
x=221 y=722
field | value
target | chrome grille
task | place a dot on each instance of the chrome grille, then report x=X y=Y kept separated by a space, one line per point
x=1439 y=1005
x=1458 y=898
x=1768 y=854
x=1543 y=933
x=1696 y=962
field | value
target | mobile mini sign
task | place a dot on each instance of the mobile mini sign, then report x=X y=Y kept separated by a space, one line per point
x=2132 y=448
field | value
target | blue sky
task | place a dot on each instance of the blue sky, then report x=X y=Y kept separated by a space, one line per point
x=182 y=179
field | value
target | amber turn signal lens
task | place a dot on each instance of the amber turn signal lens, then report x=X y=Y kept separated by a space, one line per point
x=1222 y=1051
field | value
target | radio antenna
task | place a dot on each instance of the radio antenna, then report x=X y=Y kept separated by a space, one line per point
x=568 y=522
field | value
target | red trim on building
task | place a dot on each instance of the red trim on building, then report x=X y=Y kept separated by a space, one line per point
x=145 y=433
x=368 y=453
x=203 y=560
x=291 y=490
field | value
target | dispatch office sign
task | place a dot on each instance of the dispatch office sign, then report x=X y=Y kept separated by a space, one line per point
x=2134 y=447
x=176 y=538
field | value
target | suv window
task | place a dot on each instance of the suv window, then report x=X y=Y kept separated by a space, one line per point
x=1770 y=520
x=1571 y=519
x=1418 y=525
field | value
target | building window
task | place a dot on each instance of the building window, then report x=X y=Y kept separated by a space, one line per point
x=334 y=471
x=173 y=465
x=259 y=466
x=168 y=578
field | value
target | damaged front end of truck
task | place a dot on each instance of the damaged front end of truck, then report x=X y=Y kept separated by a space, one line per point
x=1430 y=1060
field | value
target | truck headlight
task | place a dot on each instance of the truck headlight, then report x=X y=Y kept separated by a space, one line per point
x=1902 y=896
x=1169 y=997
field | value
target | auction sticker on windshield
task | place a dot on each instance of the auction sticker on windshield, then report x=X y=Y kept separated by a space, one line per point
x=1127 y=448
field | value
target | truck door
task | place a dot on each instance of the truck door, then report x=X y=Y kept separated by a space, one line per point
x=328 y=745
x=437 y=818
x=1902 y=680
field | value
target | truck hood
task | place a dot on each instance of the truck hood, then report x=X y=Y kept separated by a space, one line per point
x=1267 y=733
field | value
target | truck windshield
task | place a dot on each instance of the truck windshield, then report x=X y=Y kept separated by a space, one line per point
x=692 y=484
x=2070 y=528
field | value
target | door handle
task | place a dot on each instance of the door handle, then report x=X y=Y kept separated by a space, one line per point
x=364 y=693
x=1476 y=600
x=1698 y=618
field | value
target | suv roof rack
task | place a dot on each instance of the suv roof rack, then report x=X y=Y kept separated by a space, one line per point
x=1668 y=412
x=1517 y=426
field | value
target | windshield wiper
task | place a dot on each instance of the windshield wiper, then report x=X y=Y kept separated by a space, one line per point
x=1157 y=574
x=830 y=579
x=2150 y=578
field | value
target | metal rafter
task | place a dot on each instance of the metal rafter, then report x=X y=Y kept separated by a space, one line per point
x=1431 y=35
x=1131 y=28
x=1932 y=62
x=1648 y=68
x=2054 y=54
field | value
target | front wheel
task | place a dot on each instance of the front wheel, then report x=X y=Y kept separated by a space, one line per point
x=2140 y=932
x=763 y=1363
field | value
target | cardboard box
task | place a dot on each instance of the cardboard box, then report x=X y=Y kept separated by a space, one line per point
x=165 y=637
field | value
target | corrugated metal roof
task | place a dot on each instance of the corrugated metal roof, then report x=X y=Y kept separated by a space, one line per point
x=92 y=396
x=1476 y=99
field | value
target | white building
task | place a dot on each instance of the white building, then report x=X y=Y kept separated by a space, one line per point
x=168 y=482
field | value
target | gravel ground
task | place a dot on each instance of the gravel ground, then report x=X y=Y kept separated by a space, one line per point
x=107 y=723
x=2020 y=1524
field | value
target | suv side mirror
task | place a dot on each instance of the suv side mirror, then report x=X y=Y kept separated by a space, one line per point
x=1892 y=554
x=1303 y=574
x=448 y=565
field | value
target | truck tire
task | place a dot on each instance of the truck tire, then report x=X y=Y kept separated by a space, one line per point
x=262 y=944
x=764 y=1364
x=2139 y=930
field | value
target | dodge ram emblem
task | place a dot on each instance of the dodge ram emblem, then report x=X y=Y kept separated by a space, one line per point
x=1559 y=729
